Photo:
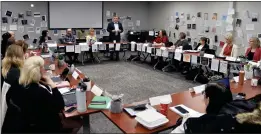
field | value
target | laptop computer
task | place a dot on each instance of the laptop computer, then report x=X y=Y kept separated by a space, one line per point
x=69 y=99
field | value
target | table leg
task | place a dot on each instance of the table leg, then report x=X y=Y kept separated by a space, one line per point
x=156 y=63
x=82 y=58
x=86 y=124
x=136 y=57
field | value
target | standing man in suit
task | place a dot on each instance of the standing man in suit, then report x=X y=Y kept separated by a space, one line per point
x=115 y=29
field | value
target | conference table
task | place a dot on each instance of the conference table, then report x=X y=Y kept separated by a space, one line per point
x=128 y=124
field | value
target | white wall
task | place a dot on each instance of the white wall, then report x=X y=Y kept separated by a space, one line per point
x=137 y=10
x=161 y=11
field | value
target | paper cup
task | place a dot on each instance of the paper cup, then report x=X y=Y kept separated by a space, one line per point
x=254 y=82
x=114 y=41
x=164 y=105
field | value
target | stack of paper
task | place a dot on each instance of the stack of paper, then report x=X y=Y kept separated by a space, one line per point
x=151 y=119
x=199 y=89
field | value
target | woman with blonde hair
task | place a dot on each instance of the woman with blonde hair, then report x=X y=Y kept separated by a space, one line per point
x=254 y=50
x=229 y=49
x=42 y=102
x=11 y=66
x=90 y=40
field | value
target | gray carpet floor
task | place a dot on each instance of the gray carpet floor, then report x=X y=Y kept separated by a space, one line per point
x=136 y=81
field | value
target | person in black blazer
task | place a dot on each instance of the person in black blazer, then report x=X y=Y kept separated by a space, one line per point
x=44 y=37
x=115 y=29
x=203 y=45
x=11 y=64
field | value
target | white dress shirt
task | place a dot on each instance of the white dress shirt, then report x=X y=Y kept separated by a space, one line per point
x=116 y=26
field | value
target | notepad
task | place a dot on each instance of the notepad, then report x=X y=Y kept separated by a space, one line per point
x=100 y=99
x=64 y=90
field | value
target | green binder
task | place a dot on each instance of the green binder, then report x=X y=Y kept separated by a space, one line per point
x=100 y=98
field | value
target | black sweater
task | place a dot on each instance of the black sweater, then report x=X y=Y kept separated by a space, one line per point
x=32 y=108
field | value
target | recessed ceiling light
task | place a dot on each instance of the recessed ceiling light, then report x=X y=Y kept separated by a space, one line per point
x=32 y=5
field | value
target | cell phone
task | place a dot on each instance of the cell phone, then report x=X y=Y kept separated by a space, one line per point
x=181 y=109
x=71 y=109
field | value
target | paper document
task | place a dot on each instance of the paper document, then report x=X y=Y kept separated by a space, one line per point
x=158 y=52
x=118 y=47
x=64 y=90
x=218 y=23
x=75 y=75
x=156 y=100
x=231 y=11
x=69 y=48
x=199 y=89
x=84 y=47
x=133 y=46
x=165 y=53
x=177 y=56
x=186 y=58
x=149 y=50
x=223 y=67
x=111 y=45
x=194 y=59
x=229 y=27
x=77 y=49
x=96 y=90
x=13 y=28
x=229 y=58
x=214 y=64
x=236 y=79
x=250 y=27
x=144 y=47
x=151 y=33
x=95 y=48
x=139 y=47
x=210 y=56
x=52 y=44
x=102 y=47
x=230 y=20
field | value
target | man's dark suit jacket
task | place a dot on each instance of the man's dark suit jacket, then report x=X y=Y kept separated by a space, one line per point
x=112 y=34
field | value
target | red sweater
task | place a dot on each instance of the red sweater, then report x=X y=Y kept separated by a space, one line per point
x=257 y=54
x=163 y=39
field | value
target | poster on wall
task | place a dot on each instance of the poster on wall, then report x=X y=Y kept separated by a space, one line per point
x=30 y=29
x=205 y=16
x=130 y=24
x=188 y=26
x=43 y=17
x=259 y=36
x=193 y=26
x=32 y=22
x=214 y=17
x=55 y=32
x=43 y=24
x=188 y=16
x=238 y=22
x=4 y=20
x=108 y=13
x=4 y=28
x=199 y=14
x=20 y=15
x=37 y=14
x=114 y=14
x=8 y=13
x=182 y=15
x=20 y=29
x=13 y=27
x=177 y=20
x=15 y=20
x=177 y=14
x=193 y=18
x=24 y=22
x=254 y=17
x=38 y=30
x=28 y=13
x=224 y=17
x=137 y=23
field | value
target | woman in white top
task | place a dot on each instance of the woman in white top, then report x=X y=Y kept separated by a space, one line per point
x=90 y=40
x=229 y=49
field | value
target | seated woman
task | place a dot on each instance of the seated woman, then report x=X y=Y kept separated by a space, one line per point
x=90 y=40
x=183 y=42
x=254 y=50
x=11 y=65
x=229 y=49
x=203 y=45
x=162 y=39
x=44 y=37
x=215 y=96
x=42 y=102
x=246 y=122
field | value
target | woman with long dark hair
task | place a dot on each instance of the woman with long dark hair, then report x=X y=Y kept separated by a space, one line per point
x=44 y=37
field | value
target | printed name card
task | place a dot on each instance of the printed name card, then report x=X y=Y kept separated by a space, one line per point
x=118 y=47
x=77 y=49
x=69 y=48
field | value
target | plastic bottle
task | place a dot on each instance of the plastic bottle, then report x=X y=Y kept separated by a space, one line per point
x=81 y=99
x=72 y=69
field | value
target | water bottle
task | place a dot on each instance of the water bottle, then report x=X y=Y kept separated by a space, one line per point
x=87 y=82
x=72 y=69
x=81 y=99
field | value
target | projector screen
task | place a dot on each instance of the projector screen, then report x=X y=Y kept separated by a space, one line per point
x=75 y=14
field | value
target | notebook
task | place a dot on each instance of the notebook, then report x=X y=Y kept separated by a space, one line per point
x=100 y=99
